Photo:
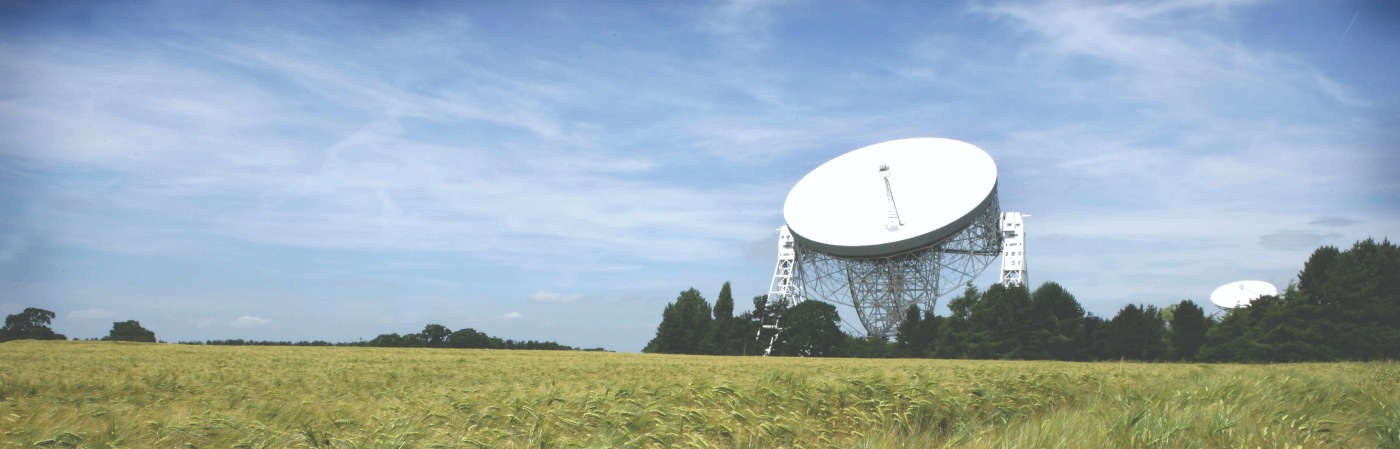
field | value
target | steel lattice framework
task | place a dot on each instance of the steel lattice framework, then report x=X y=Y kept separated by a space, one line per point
x=881 y=288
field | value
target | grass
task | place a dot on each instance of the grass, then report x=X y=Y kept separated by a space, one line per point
x=102 y=394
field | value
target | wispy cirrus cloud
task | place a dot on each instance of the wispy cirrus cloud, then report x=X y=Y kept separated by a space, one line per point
x=249 y=322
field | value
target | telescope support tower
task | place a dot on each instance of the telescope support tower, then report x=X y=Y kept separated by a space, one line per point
x=785 y=291
x=1013 y=253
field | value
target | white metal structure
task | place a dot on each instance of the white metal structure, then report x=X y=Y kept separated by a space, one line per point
x=1241 y=293
x=1013 y=253
x=843 y=207
x=784 y=289
x=850 y=245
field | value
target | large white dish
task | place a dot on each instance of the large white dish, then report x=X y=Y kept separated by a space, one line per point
x=939 y=186
x=1240 y=294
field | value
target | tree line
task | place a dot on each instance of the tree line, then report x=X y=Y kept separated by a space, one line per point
x=1345 y=305
x=33 y=324
x=439 y=336
x=432 y=336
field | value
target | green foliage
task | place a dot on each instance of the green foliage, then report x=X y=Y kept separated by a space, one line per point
x=927 y=334
x=471 y=339
x=130 y=330
x=1357 y=293
x=1088 y=343
x=684 y=324
x=956 y=331
x=908 y=336
x=724 y=335
x=1136 y=333
x=1005 y=326
x=1063 y=320
x=811 y=329
x=868 y=347
x=436 y=335
x=30 y=324
x=1346 y=306
x=1187 y=330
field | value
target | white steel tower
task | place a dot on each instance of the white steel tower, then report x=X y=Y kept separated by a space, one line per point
x=784 y=289
x=1013 y=249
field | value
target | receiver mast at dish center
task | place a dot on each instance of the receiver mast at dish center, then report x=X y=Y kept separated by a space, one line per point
x=895 y=224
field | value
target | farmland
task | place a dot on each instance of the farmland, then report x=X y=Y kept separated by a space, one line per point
x=101 y=394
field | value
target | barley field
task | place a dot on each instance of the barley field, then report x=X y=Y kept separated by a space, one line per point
x=101 y=394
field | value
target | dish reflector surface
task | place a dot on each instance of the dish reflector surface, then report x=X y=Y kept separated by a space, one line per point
x=1239 y=294
x=842 y=208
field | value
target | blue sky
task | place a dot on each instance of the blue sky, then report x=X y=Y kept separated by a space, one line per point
x=562 y=170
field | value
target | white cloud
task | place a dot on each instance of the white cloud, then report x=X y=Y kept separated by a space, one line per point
x=89 y=314
x=248 y=321
x=553 y=297
x=1167 y=53
x=509 y=316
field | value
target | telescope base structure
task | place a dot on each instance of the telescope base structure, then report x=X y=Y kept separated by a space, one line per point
x=881 y=288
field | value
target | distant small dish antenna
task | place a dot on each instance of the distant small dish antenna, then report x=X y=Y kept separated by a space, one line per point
x=1241 y=293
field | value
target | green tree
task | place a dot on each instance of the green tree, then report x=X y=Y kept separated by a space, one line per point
x=811 y=329
x=721 y=338
x=683 y=325
x=436 y=335
x=1187 y=330
x=30 y=324
x=749 y=324
x=869 y=347
x=414 y=340
x=928 y=333
x=387 y=341
x=1285 y=328
x=1062 y=318
x=908 y=335
x=1004 y=326
x=1233 y=339
x=1089 y=344
x=1317 y=270
x=130 y=330
x=1357 y=294
x=472 y=339
x=1136 y=333
x=956 y=332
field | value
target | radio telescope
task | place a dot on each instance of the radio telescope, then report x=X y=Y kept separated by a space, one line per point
x=890 y=225
x=1241 y=293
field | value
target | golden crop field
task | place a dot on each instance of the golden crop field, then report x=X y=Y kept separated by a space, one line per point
x=100 y=394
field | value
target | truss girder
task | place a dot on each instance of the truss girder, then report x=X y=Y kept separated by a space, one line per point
x=881 y=288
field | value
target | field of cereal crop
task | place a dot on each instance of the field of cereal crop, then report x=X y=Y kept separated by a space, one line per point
x=100 y=394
